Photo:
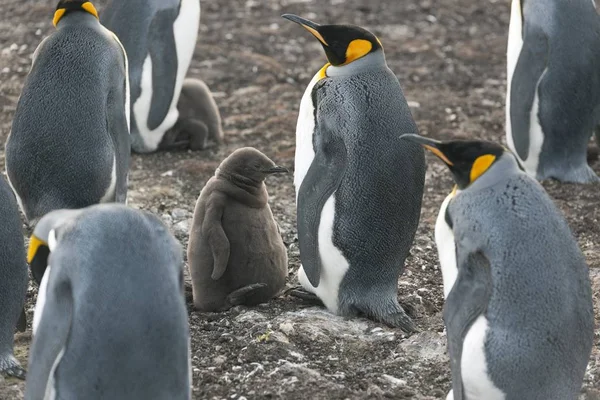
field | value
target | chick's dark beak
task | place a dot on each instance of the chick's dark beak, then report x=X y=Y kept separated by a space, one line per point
x=430 y=144
x=275 y=170
x=310 y=26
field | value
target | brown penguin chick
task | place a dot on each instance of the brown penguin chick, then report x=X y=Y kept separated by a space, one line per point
x=199 y=119
x=236 y=254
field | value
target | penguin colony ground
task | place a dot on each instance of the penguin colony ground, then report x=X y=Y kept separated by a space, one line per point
x=420 y=384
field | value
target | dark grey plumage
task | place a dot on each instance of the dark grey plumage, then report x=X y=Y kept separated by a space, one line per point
x=560 y=63
x=114 y=323
x=13 y=278
x=539 y=312
x=236 y=254
x=70 y=126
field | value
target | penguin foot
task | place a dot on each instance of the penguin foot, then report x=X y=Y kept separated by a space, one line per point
x=9 y=366
x=399 y=319
x=247 y=295
x=302 y=294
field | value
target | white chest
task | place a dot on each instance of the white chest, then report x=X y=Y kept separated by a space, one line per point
x=185 y=31
x=305 y=128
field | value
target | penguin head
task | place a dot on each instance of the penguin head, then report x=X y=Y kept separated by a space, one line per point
x=66 y=6
x=466 y=159
x=44 y=239
x=343 y=44
x=249 y=164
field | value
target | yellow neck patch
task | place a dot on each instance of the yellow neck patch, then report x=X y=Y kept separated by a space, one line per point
x=322 y=74
x=454 y=190
x=481 y=164
x=87 y=6
x=356 y=49
x=34 y=245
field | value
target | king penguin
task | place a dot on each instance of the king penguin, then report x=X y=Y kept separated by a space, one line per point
x=358 y=189
x=518 y=305
x=236 y=254
x=13 y=280
x=553 y=87
x=110 y=320
x=169 y=112
x=69 y=145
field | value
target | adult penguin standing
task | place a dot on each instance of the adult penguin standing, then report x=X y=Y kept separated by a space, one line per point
x=359 y=189
x=518 y=302
x=69 y=144
x=168 y=111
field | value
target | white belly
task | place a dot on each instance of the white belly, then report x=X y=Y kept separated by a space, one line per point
x=40 y=302
x=515 y=43
x=185 y=30
x=109 y=196
x=333 y=263
x=305 y=128
x=476 y=381
x=536 y=135
x=444 y=240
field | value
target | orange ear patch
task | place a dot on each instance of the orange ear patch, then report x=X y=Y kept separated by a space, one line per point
x=481 y=164
x=356 y=49
x=87 y=6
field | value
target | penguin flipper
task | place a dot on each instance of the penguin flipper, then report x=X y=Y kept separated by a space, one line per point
x=163 y=53
x=321 y=180
x=51 y=336
x=466 y=301
x=213 y=231
x=247 y=295
x=530 y=67
x=22 y=322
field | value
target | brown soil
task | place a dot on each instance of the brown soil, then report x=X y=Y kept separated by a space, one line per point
x=450 y=58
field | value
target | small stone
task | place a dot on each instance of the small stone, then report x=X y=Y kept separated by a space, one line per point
x=393 y=380
x=286 y=327
x=218 y=360
x=178 y=214
x=182 y=227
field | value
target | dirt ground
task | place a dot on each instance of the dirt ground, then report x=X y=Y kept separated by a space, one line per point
x=450 y=58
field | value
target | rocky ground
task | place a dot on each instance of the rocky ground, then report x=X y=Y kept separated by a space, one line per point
x=450 y=58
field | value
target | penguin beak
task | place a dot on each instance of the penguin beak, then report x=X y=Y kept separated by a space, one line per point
x=37 y=257
x=310 y=26
x=275 y=170
x=430 y=144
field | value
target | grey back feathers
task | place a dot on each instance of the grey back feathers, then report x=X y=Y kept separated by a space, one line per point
x=236 y=254
x=378 y=184
x=556 y=81
x=13 y=278
x=69 y=145
x=540 y=309
x=114 y=309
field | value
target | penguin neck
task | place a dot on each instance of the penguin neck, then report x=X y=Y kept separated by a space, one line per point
x=74 y=18
x=370 y=62
x=502 y=169
x=245 y=190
